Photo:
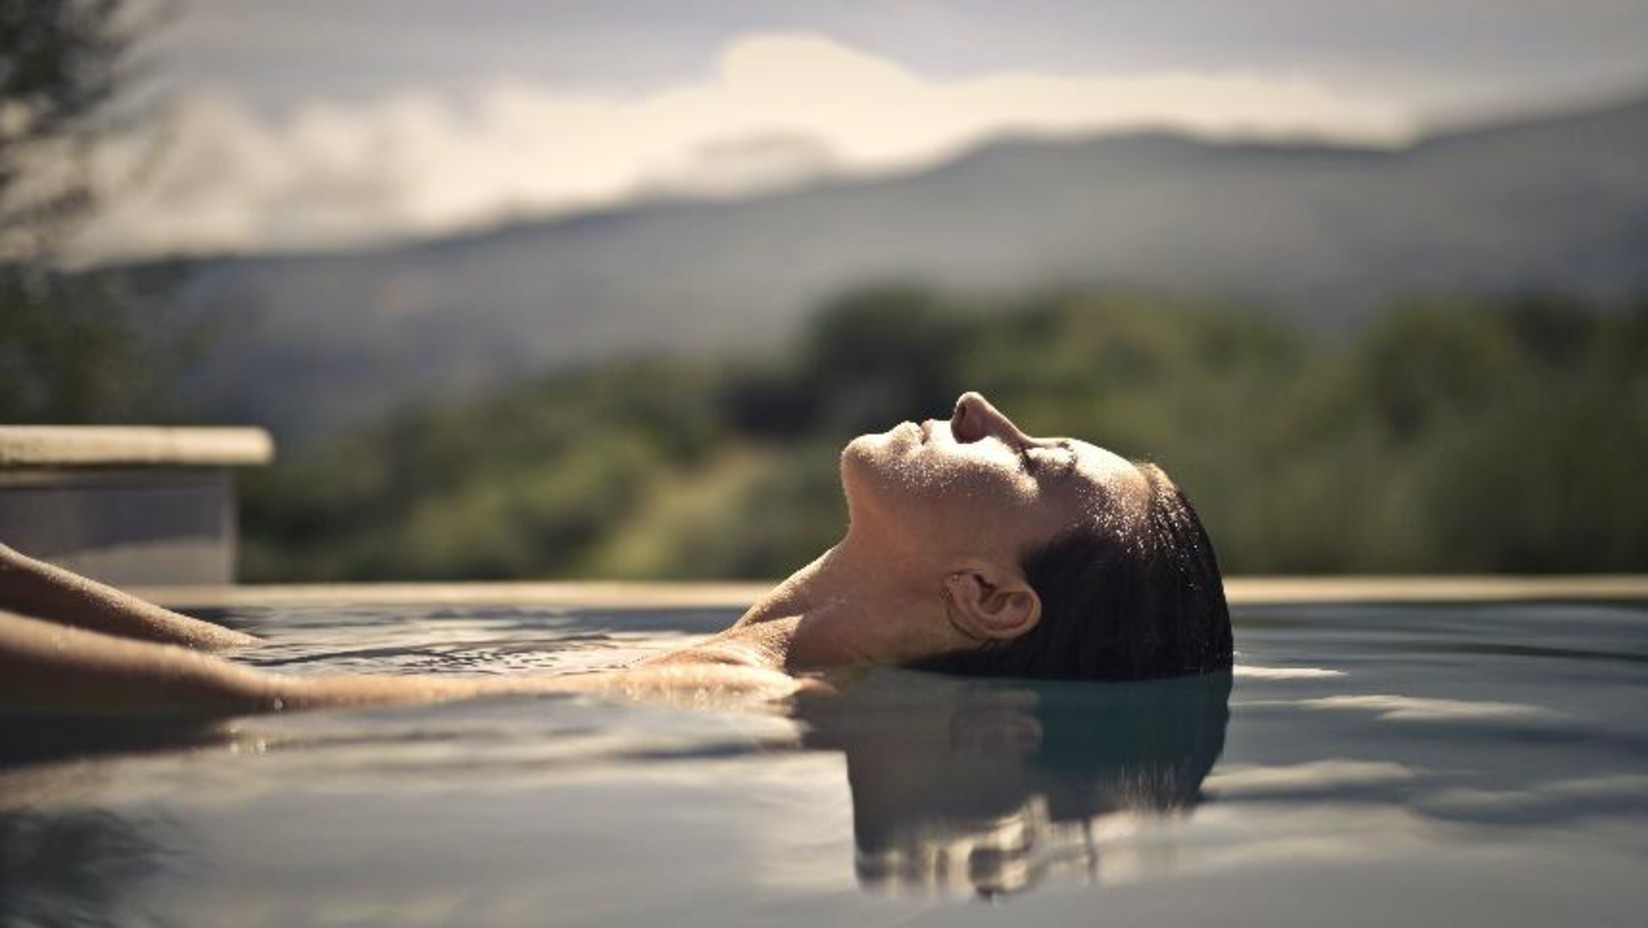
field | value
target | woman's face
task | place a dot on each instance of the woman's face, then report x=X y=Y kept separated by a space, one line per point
x=976 y=485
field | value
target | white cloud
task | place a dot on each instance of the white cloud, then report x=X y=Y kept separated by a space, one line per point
x=333 y=175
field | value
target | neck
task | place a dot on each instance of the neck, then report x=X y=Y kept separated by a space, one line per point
x=854 y=604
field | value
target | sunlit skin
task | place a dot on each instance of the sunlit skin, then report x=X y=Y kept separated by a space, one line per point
x=940 y=515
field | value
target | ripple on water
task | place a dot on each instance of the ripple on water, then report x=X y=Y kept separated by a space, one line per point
x=1467 y=764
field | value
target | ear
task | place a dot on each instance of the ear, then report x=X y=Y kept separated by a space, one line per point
x=991 y=602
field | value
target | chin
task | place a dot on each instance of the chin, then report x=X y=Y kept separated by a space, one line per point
x=861 y=458
x=870 y=467
x=882 y=450
x=879 y=475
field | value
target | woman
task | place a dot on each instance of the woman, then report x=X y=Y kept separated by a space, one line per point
x=971 y=547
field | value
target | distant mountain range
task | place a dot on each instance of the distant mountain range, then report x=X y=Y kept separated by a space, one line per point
x=311 y=344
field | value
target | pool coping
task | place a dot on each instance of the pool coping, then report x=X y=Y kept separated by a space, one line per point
x=73 y=446
x=128 y=505
x=644 y=595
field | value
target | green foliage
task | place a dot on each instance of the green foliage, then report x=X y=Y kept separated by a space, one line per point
x=1489 y=435
x=786 y=499
x=871 y=351
x=90 y=347
x=521 y=484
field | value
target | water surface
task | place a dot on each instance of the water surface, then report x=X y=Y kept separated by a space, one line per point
x=1460 y=764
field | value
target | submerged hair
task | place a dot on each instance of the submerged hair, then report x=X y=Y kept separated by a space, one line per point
x=1131 y=602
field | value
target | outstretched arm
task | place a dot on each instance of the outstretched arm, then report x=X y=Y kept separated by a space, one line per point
x=46 y=666
x=44 y=591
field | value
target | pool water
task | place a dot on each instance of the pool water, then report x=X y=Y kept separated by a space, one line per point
x=1365 y=765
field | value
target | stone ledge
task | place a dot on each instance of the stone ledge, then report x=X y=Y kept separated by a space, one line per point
x=132 y=446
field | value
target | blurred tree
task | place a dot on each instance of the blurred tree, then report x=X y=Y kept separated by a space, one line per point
x=525 y=482
x=873 y=356
x=1426 y=360
x=61 y=65
x=883 y=354
x=74 y=346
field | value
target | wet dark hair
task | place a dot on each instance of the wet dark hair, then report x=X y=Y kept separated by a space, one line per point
x=1129 y=601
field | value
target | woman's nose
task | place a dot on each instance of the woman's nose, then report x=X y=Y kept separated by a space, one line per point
x=975 y=418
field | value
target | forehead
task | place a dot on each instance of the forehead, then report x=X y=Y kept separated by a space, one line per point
x=1102 y=478
x=1101 y=464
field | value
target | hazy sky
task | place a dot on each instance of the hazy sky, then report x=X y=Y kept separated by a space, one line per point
x=315 y=123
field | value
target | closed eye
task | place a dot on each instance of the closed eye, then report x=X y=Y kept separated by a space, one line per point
x=1027 y=460
x=1033 y=463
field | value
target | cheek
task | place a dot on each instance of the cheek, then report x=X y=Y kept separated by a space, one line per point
x=928 y=486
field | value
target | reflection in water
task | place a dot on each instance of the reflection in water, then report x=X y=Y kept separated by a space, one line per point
x=76 y=866
x=31 y=740
x=994 y=784
x=1375 y=770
